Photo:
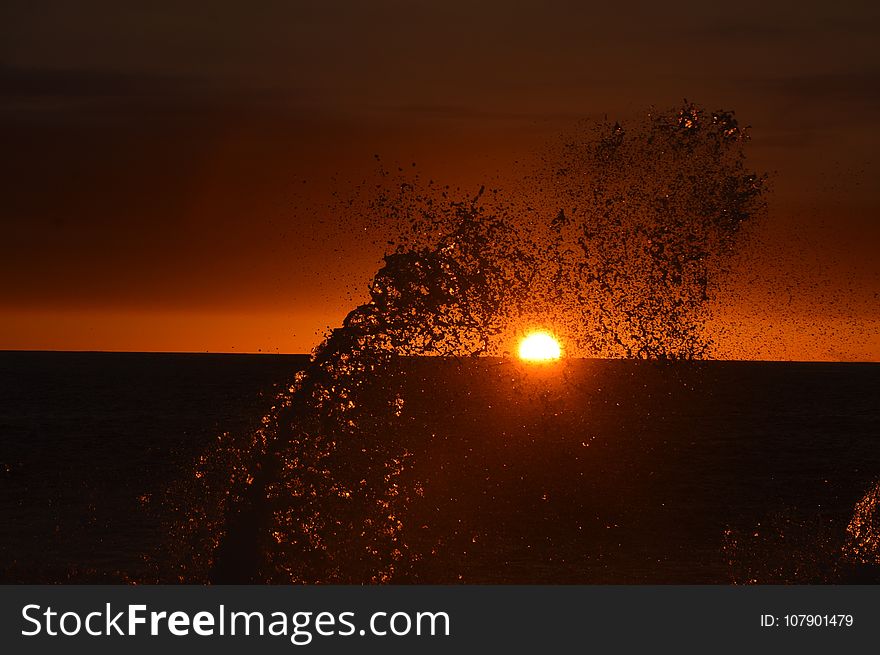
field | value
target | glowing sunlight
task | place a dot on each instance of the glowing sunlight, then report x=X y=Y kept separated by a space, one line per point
x=540 y=347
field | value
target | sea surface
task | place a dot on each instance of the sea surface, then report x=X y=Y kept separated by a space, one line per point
x=600 y=471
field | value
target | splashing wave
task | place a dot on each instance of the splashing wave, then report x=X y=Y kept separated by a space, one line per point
x=616 y=242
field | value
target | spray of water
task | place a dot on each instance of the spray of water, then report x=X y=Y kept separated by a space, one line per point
x=863 y=532
x=616 y=241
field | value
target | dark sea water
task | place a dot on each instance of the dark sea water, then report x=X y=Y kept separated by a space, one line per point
x=89 y=442
x=586 y=471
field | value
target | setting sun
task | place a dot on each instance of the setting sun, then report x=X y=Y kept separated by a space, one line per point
x=539 y=347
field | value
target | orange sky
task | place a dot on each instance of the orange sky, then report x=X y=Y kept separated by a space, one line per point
x=167 y=174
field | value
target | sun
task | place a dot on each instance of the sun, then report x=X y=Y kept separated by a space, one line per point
x=539 y=347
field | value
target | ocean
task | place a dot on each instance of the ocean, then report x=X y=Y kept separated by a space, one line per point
x=583 y=471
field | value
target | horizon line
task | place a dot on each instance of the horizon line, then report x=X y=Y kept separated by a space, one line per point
x=308 y=354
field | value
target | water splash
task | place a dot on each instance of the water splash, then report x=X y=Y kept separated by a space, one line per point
x=649 y=216
x=615 y=243
x=619 y=238
x=863 y=531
